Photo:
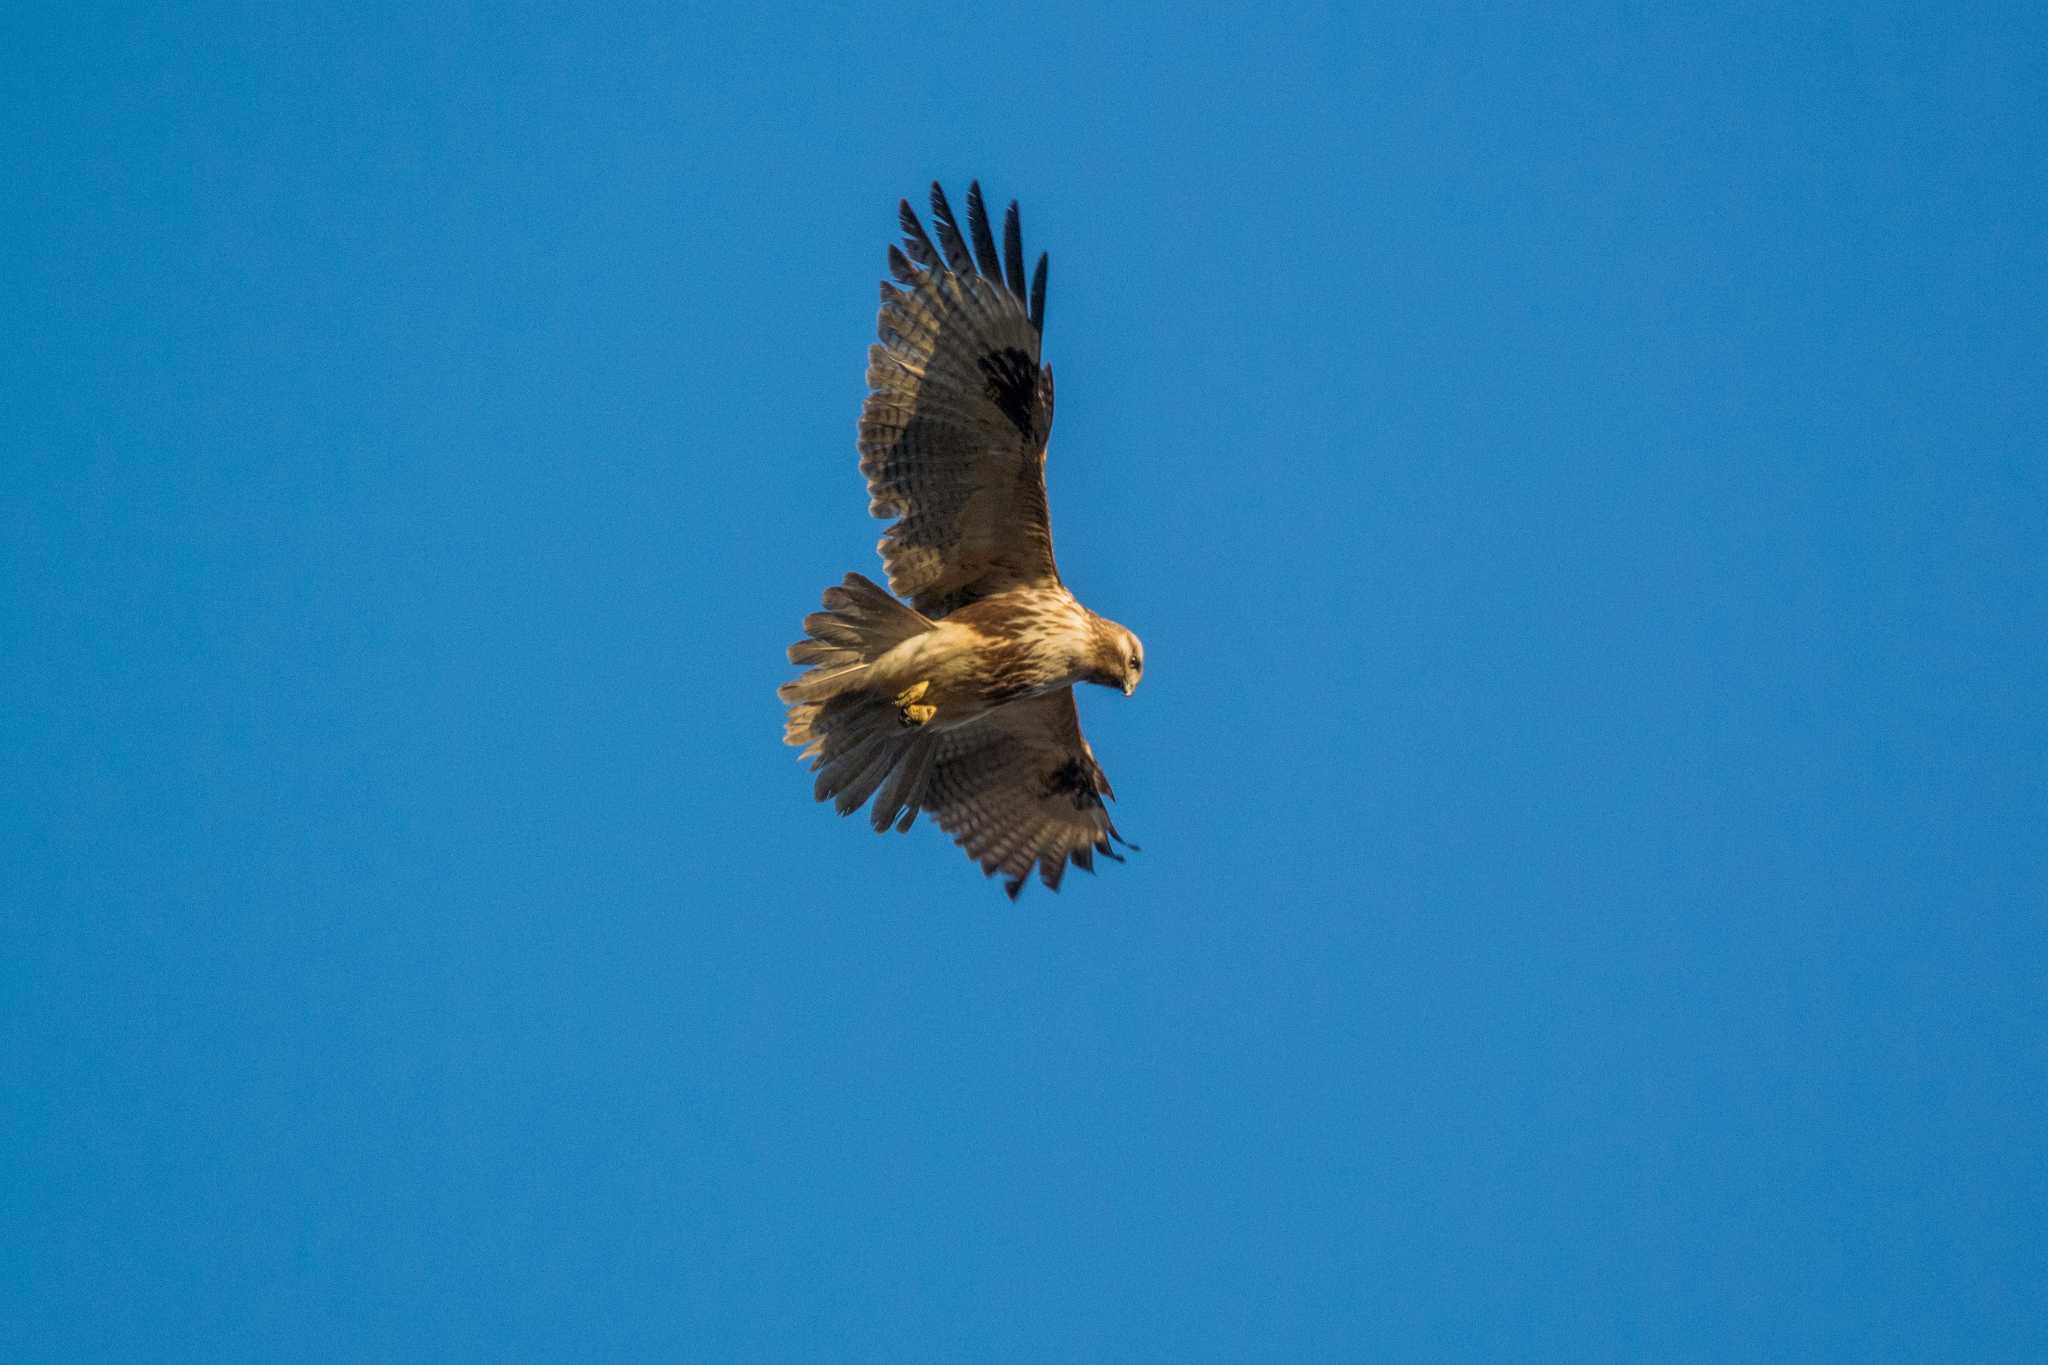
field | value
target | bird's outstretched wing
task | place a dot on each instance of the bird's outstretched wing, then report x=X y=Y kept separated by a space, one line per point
x=952 y=437
x=1021 y=788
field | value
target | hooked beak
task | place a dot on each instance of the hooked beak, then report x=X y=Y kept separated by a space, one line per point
x=1130 y=685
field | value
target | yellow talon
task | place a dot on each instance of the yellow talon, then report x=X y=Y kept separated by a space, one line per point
x=907 y=709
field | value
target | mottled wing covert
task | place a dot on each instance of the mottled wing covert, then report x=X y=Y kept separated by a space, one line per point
x=952 y=437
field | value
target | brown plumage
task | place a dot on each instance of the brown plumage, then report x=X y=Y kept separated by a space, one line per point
x=961 y=703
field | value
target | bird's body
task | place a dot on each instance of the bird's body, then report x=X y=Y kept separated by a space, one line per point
x=961 y=703
x=1001 y=649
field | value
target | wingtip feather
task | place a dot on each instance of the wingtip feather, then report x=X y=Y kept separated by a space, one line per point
x=948 y=228
x=1013 y=252
x=985 y=257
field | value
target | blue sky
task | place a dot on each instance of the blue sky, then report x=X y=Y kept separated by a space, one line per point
x=1580 y=481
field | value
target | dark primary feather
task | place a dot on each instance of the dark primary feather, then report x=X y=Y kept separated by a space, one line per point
x=950 y=241
x=915 y=244
x=984 y=241
x=1013 y=251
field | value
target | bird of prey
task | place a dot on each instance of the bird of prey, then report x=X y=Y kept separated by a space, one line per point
x=961 y=703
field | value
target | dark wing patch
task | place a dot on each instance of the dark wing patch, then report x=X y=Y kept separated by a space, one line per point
x=1012 y=386
x=1080 y=780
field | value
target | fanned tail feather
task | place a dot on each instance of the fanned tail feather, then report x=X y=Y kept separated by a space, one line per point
x=856 y=741
x=858 y=748
x=859 y=625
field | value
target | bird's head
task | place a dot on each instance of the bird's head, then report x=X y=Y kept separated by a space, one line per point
x=1119 y=657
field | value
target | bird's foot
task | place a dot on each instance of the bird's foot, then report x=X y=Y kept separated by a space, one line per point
x=908 y=711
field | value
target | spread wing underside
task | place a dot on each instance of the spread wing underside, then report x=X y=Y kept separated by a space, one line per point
x=1021 y=789
x=952 y=436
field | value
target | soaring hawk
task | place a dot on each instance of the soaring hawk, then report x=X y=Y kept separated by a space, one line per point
x=962 y=702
